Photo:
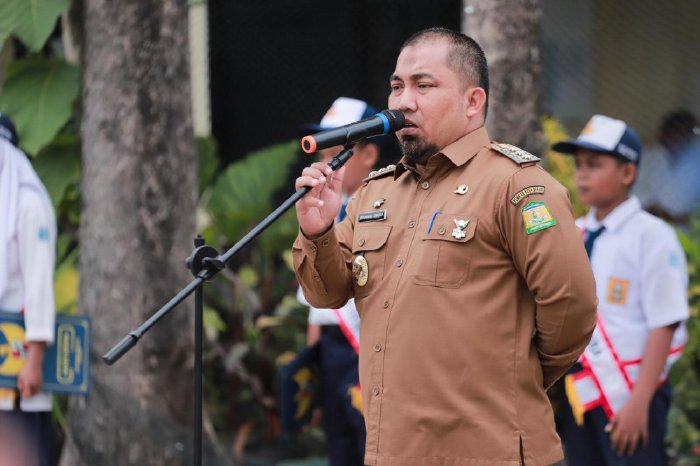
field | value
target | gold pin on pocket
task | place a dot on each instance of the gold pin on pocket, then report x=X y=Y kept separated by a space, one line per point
x=360 y=269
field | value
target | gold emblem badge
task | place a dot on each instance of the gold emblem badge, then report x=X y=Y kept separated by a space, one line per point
x=378 y=203
x=360 y=271
x=461 y=189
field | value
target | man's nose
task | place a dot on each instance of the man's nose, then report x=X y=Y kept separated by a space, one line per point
x=407 y=100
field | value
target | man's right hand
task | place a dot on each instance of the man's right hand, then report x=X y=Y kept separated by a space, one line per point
x=317 y=210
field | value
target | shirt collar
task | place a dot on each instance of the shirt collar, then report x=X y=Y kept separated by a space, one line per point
x=615 y=219
x=459 y=152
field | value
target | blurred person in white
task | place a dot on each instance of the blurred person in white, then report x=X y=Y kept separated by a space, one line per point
x=668 y=183
x=27 y=257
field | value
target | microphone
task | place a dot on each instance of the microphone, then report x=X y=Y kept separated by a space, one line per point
x=384 y=122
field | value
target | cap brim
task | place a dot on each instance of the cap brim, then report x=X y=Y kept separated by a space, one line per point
x=570 y=147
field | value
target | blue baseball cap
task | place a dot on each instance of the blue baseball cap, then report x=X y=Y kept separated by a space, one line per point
x=607 y=136
x=7 y=130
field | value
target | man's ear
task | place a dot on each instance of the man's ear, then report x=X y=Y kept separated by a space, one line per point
x=475 y=99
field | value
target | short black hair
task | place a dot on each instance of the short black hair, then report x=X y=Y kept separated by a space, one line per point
x=466 y=57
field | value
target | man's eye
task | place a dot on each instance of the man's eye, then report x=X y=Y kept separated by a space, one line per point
x=424 y=85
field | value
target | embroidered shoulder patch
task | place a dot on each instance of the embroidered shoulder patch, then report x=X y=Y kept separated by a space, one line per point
x=388 y=170
x=536 y=217
x=522 y=194
x=516 y=154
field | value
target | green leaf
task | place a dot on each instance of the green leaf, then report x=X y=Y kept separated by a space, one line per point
x=38 y=95
x=242 y=196
x=32 y=21
x=58 y=166
x=208 y=163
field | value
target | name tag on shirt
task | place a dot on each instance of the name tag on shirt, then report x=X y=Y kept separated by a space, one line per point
x=374 y=216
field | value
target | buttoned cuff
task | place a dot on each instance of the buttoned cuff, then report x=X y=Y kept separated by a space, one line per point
x=320 y=248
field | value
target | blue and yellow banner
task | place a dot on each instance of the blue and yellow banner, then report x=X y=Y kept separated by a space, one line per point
x=66 y=362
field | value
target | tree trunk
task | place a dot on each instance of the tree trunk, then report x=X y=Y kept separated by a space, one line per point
x=509 y=33
x=139 y=196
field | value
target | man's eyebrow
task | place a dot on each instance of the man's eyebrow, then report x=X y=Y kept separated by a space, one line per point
x=413 y=77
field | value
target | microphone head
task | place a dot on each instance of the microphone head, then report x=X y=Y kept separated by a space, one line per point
x=396 y=118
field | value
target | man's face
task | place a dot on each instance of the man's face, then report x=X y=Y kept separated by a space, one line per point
x=601 y=179
x=433 y=98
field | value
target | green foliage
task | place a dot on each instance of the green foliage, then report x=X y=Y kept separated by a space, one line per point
x=561 y=166
x=242 y=196
x=58 y=166
x=39 y=94
x=32 y=21
x=208 y=163
x=684 y=418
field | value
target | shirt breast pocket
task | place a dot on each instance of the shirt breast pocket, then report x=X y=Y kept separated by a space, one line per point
x=370 y=241
x=443 y=256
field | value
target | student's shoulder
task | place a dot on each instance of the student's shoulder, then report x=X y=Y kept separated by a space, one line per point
x=652 y=228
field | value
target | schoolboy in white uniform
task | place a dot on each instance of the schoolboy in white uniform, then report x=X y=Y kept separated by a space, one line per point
x=618 y=393
x=27 y=255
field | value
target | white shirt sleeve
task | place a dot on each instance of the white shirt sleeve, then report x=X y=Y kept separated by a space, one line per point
x=36 y=237
x=664 y=278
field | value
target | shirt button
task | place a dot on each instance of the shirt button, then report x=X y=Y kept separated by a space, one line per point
x=325 y=242
x=412 y=224
x=375 y=390
x=399 y=262
x=441 y=230
x=361 y=242
x=425 y=185
x=377 y=347
x=386 y=304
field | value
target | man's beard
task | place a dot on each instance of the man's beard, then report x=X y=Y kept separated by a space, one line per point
x=417 y=150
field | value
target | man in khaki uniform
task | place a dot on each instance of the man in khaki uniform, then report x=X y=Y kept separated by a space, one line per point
x=470 y=276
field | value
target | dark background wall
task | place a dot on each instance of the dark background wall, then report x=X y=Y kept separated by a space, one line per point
x=278 y=64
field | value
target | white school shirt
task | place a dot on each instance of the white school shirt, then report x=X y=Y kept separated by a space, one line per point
x=29 y=258
x=328 y=316
x=641 y=278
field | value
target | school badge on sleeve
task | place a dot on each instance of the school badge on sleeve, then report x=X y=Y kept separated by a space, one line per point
x=536 y=217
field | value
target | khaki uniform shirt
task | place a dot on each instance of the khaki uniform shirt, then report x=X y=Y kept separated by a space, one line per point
x=463 y=326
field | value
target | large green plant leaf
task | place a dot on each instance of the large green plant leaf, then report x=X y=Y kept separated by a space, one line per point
x=30 y=20
x=242 y=196
x=58 y=166
x=38 y=94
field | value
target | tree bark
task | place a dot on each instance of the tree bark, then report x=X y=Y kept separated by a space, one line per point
x=139 y=192
x=509 y=32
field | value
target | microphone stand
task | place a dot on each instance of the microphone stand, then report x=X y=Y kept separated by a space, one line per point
x=205 y=263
